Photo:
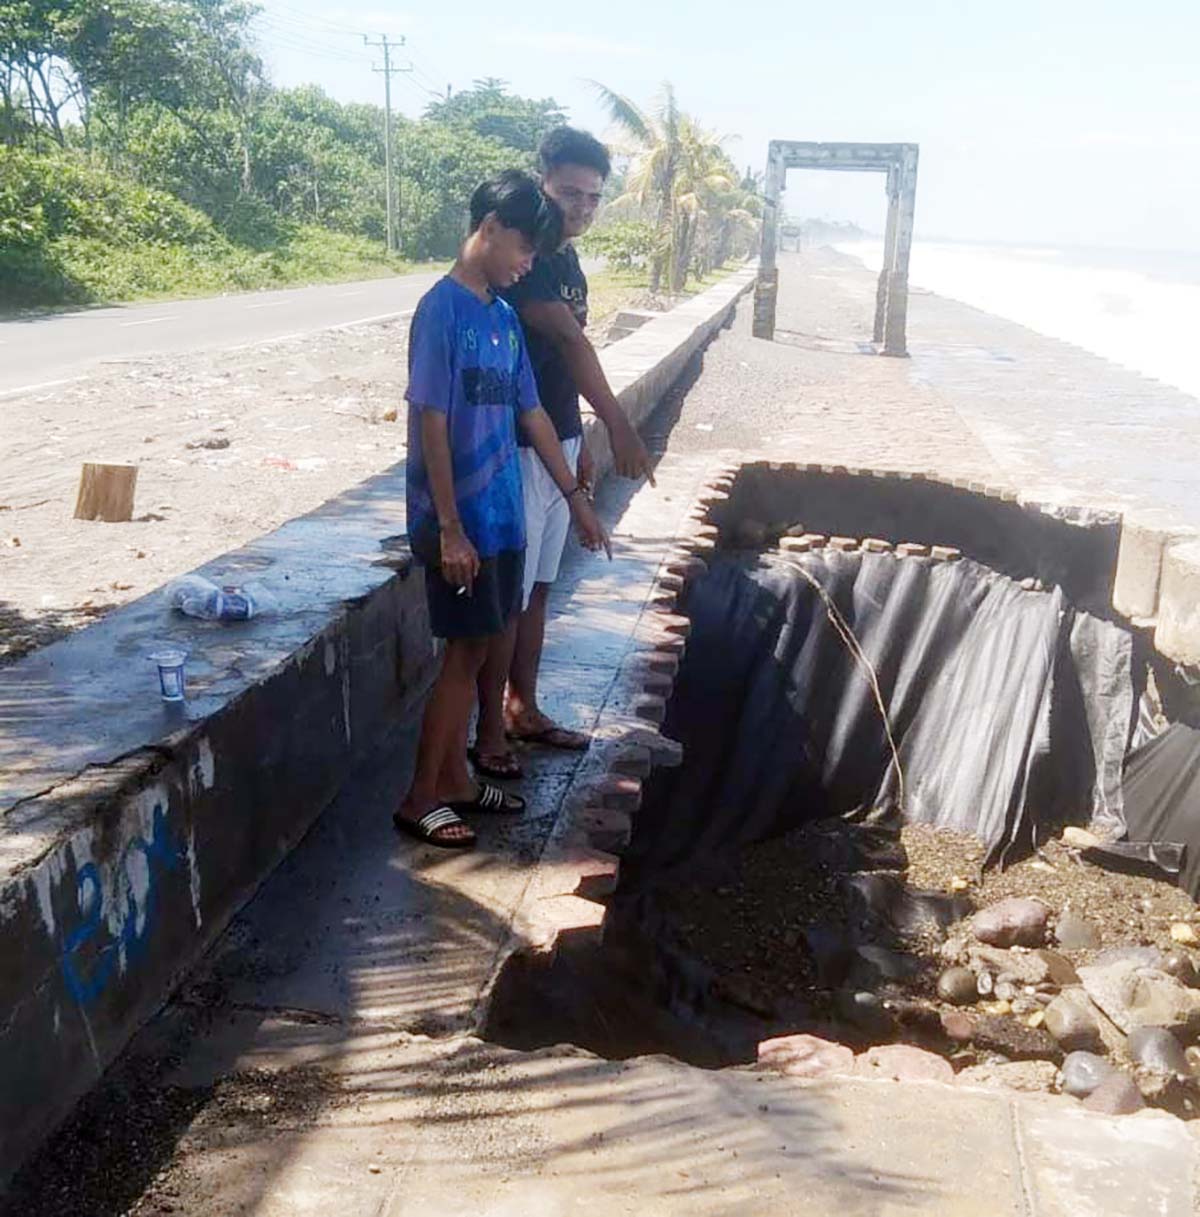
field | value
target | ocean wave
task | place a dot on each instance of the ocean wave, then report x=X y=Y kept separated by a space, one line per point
x=1129 y=316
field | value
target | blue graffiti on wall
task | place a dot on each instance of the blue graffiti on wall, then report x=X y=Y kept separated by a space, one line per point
x=88 y=962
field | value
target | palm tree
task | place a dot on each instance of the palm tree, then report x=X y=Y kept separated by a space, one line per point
x=680 y=173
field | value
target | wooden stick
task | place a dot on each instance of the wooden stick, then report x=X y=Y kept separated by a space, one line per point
x=106 y=492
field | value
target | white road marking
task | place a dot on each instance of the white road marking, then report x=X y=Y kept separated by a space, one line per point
x=43 y=384
x=268 y=304
x=149 y=321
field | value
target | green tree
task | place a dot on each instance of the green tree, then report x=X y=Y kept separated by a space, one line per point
x=682 y=181
x=440 y=166
x=127 y=53
x=489 y=110
x=320 y=161
x=37 y=82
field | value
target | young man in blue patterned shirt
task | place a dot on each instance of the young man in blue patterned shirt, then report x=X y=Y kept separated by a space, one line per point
x=470 y=386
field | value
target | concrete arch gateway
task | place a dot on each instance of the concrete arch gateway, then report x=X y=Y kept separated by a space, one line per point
x=899 y=163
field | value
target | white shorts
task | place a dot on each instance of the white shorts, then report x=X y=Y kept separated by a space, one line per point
x=547 y=516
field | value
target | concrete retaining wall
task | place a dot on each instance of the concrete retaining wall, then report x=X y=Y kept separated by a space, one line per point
x=129 y=835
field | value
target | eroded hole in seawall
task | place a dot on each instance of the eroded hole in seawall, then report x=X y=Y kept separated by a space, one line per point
x=878 y=745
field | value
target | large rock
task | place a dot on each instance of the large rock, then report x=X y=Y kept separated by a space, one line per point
x=1026 y=967
x=1181 y=965
x=1075 y=933
x=957 y=986
x=1082 y=1072
x=1117 y=1095
x=1072 y=1022
x=1016 y=921
x=1060 y=970
x=1013 y=1039
x=958 y=1025
x=1022 y=966
x=1145 y=957
x=805 y=1056
x=903 y=1063
x=1134 y=996
x=1157 y=1049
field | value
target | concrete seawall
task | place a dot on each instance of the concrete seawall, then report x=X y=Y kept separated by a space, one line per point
x=130 y=836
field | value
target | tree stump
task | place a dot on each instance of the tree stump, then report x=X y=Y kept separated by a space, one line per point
x=106 y=492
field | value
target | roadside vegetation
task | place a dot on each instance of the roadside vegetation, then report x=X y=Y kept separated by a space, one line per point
x=144 y=152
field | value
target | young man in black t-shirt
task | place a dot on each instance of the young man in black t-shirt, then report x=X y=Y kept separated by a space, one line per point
x=552 y=304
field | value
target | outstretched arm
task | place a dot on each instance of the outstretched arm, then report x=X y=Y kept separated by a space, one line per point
x=555 y=322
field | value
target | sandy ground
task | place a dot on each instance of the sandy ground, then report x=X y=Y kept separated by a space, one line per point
x=229 y=445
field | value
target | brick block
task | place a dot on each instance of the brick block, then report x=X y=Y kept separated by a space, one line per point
x=616 y=793
x=650 y=707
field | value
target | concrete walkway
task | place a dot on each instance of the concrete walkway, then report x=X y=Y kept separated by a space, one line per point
x=326 y=1058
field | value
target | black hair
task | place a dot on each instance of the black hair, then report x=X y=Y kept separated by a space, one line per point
x=516 y=200
x=567 y=146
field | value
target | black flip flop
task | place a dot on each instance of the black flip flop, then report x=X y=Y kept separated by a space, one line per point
x=492 y=800
x=431 y=823
x=513 y=773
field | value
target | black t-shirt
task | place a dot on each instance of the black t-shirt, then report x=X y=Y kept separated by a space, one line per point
x=557 y=276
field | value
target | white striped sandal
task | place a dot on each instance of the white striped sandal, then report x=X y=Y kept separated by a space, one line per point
x=493 y=800
x=433 y=826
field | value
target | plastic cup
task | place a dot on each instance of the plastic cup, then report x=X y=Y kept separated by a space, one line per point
x=170 y=662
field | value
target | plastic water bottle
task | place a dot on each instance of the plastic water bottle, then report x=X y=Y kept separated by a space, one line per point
x=195 y=596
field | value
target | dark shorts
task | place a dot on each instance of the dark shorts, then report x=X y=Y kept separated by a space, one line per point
x=494 y=600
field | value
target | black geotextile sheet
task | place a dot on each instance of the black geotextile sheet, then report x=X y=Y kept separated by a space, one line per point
x=1010 y=710
x=1162 y=797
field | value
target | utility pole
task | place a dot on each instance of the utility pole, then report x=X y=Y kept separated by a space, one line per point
x=393 y=207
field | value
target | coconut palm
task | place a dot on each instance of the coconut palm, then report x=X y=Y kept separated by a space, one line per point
x=681 y=179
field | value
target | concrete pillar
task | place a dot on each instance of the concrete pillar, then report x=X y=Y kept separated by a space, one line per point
x=766 y=288
x=889 y=254
x=895 y=326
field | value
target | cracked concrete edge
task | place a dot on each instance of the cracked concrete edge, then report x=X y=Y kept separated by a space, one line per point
x=579 y=866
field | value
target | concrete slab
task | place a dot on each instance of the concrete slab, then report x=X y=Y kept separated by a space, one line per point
x=439 y=1129
x=1081 y=1165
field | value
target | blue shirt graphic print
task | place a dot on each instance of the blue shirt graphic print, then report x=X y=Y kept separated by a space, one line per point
x=467 y=360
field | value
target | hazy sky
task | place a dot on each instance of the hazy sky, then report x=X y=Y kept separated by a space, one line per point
x=1048 y=121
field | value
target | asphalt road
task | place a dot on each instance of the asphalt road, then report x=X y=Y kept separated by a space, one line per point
x=38 y=352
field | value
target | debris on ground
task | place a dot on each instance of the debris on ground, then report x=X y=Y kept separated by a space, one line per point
x=1054 y=974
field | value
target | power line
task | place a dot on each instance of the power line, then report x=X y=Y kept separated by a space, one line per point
x=292 y=40
x=301 y=17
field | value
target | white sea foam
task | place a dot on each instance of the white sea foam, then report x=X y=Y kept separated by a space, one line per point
x=1140 y=318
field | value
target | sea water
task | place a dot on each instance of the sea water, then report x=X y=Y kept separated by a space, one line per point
x=1137 y=308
